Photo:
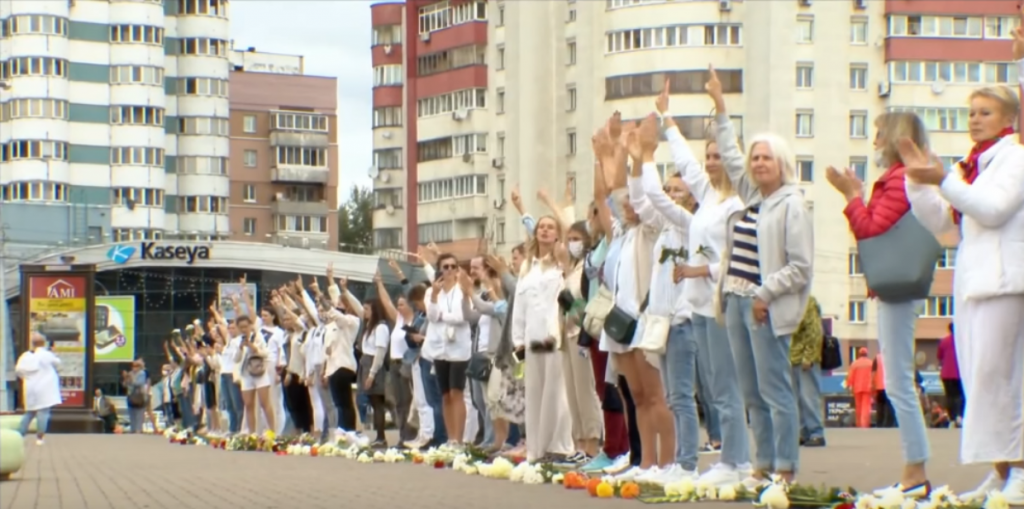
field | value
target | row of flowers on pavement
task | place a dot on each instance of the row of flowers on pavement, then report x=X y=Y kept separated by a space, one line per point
x=470 y=461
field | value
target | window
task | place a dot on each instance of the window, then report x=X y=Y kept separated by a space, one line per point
x=665 y=170
x=137 y=34
x=858 y=124
x=34 y=191
x=853 y=265
x=293 y=121
x=681 y=82
x=137 y=197
x=672 y=36
x=33 y=108
x=203 y=126
x=1000 y=27
x=935 y=26
x=805 y=169
x=469 y=144
x=203 y=46
x=387 y=238
x=217 y=8
x=947 y=260
x=570 y=16
x=857 y=312
x=940 y=119
x=936 y=307
x=249 y=193
x=443 y=15
x=805 y=29
x=858 y=77
x=304 y=193
x=619 y=4
x=1001 y=73
x=435 y=232
x=501 y=57
x=804 y=75
x=34 y=66
x=456 y=58
x=302 y=224
x=302 y=156
x=466 y=99
x=858 y=30
x=202 y=165
x=500 y=96
x=388 y=116
x=388 y=159
x=34 y=24
x=249 y=124
x=137 y=74
x=570 y=141
x=387 y=34
x=249 y=226
x=805 y=124
x=722 y=35
x=499 y=232
x=203 y=86
x=930 y=72
x=138 y=115
x=570 y=183
x=129 y=234
x=501 y=149
x=570 y=52
x=202 y=205
x=570 y=92
x=387 y=197
x=137 y=156
x=387 y=75
x=859 y=165
x=249 y=158
x=501 y=15
x=451 y=188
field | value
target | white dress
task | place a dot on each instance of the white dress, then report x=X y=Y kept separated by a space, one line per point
x=38 y=371
x=247 y=381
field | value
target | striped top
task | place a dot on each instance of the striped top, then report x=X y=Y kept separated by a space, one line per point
x=743 y=261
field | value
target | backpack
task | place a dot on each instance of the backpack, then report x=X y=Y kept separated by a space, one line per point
x=831 y=353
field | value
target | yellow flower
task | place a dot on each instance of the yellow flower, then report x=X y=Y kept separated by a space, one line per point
x=269 y=435
x=996 y=500
x=727 y=493
x=605 y=490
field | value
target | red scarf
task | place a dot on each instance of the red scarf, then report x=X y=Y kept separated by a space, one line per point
x=969 y=166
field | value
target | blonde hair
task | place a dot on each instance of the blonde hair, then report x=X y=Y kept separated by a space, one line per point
x=533 y=246
x=780 y=151
x=1007 y=98
x=896 y=125
x=723 y=185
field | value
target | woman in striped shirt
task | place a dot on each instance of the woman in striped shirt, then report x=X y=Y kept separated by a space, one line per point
x=768 y=257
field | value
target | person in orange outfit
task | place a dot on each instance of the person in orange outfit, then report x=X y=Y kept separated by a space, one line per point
x=885 y=417
x=858 y=381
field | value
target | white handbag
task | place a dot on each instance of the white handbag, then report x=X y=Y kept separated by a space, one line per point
x=655 y=333
x=596 y=311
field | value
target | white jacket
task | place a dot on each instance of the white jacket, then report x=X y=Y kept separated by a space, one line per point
x=38 y=371
x=990 y=258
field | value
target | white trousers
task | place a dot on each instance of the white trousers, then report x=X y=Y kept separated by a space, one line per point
x=472 y=416
x=317 y=403
x=423 y=409
x=989 y=336
x=547 y=407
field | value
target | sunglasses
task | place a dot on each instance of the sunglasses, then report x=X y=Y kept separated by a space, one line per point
x=449 y=267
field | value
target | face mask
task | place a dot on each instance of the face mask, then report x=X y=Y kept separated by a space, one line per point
x=576 y=249
x=501 y=307
x=880 y=159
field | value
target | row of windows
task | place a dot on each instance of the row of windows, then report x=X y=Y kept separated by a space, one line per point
x=388 y=116
x=435 y=232
x=138 y=197
x=137 y=156
x=467 y=99
x=302 y=224
x=442 y=61
x=202 y=86
x=34 y=149
x=934 y=307
x=33 y=66
x=447 y=189
x=302 y=156
x=130 y=234
x=203 y=125
x=202 y=165
x=993 y=27
x=217 y=8
x=442 y=148
x=952 y=72
x=34 y=191
x=387 y=75
x=137 y=115
x=388 y=159
x=680 y=82
x=33 y=24
x=443 y=15
x=33 y=108
x=618 y=4
x=144 y=74
x=204 y=46
x=300 y=121
x=386 y=34
x=196 y=204
x=673 y=36
x=946 y=261
x=941 y=119
x=384 y=197
x=137 y=34
x=388 y=238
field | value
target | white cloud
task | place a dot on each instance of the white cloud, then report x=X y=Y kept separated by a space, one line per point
x=334 y=38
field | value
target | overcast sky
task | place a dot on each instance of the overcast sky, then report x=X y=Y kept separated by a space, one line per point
x=334 y=36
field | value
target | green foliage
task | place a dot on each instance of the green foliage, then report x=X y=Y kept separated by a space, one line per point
x=355 y=221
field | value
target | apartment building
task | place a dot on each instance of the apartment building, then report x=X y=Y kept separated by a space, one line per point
x=473 y=99
x=284 y=154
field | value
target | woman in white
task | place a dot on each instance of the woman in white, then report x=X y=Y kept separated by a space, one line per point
x=536 y=328
x=449 y=345
x=375 y=342
x=339 y=349
x=985 y=200
x=37 y=369
x=254 y=374
x=277 y=359
x=769 y=260
x=299 y=407
x=398 y=316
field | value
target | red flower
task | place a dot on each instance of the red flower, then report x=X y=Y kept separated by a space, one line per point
x=844 y=505
x=439 y=464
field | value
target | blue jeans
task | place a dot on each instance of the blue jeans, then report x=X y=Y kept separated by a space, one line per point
x=765 y=375
x=896 y=339
x=231 y=401
x=433 y=394
x=42 y=417
x=807 y=387
x=135 y=419
x=725 y=390
x=188 y=417
x=478 y=393
x=711 y=424
x=678 y=366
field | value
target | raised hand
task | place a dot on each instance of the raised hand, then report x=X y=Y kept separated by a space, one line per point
x=713 y=87
x=615 y=126
x=377 y=279
x=919 y=166
x=343 y=282
x=330 y=271
x=542 y=195
x=517 y=199
x=842 y=182
x=496 y=263
x=661 y=103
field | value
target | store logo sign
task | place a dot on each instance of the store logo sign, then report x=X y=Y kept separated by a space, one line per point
x=120 y=254
x=187 y=254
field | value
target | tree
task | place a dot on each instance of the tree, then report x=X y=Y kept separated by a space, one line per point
x=355 y=221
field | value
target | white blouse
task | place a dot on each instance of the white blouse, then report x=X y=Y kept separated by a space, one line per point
x=442 y=316
x=380 y=337
x=536 y=314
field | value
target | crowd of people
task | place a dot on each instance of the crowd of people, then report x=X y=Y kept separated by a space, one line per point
x=599 y=334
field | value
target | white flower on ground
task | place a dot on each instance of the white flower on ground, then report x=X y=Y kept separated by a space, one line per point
x=866 y=502
x=469 y=469
x=702 y=488
x=393 y=456
x=892 y=499
x=306 y=450
x=909 y=503
x=996 y=500
x=683 y=488
x=533 y=476
x=727 y=493
x=378 y=456
x=364 y=458
x=519 y=472
x=774 y=497
x=557 y=478
x=460 y=460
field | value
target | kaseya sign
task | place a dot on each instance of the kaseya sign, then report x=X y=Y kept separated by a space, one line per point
x=159 y=251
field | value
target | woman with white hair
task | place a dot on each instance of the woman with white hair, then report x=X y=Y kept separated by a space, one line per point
x=37 y=368
x=768 y=256
x=985 y=201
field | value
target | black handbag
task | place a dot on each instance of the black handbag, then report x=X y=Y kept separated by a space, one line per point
x=479 y=367
x=620 y=326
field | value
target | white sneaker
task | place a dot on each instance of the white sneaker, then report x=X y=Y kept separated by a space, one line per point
x=991 y=483
x=630 y=475
x=753 y=484
x=619 y=465
x=1014 y=488
x=649 y=475
x=721 y=475
x=674 y=474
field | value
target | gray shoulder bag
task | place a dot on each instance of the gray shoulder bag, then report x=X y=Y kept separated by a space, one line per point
x=899 y=264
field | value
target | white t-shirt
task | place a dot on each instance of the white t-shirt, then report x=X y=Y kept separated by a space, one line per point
x=380 y=337
x=443 y=316
x=398 y=344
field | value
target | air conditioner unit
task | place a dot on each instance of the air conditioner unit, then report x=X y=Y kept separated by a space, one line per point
x=387 y=49
x=467 y=157
x=459 y=115
x=805 y=3
x=860 y=4
x=305 y=243
x=498 y=162
x=279 y=197
x=725 y=5
x=425 y=37
x=390 y=209
x=499 y=203
x=884 y=87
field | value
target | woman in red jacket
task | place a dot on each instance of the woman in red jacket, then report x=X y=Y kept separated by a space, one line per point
x=896 y=320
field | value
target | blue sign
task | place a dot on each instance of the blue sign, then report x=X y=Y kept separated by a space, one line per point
x=120 y=254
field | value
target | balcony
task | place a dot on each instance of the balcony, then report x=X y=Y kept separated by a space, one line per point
x=301 y=240
x=300 y=174
x=299 y=139
x=299 y=208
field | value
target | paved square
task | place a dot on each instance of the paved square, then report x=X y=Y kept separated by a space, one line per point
x=132 y=472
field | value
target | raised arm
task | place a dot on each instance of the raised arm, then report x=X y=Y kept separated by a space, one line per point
x=390 y=313
x=693 y=174
x=528 y=221
x=469 y=313
x=926 y=202
x=728 y=147
x=661 y=202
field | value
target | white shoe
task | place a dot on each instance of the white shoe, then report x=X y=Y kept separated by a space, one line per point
x=630 y=475
x=649 y=475
x=619 y=465
x=674 y=474
x=991 y=483
x=753 y=484
x=721 y=475
x=1014 y=488
x=39 y=441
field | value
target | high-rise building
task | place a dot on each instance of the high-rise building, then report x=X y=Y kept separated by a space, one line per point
x=473 y=99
